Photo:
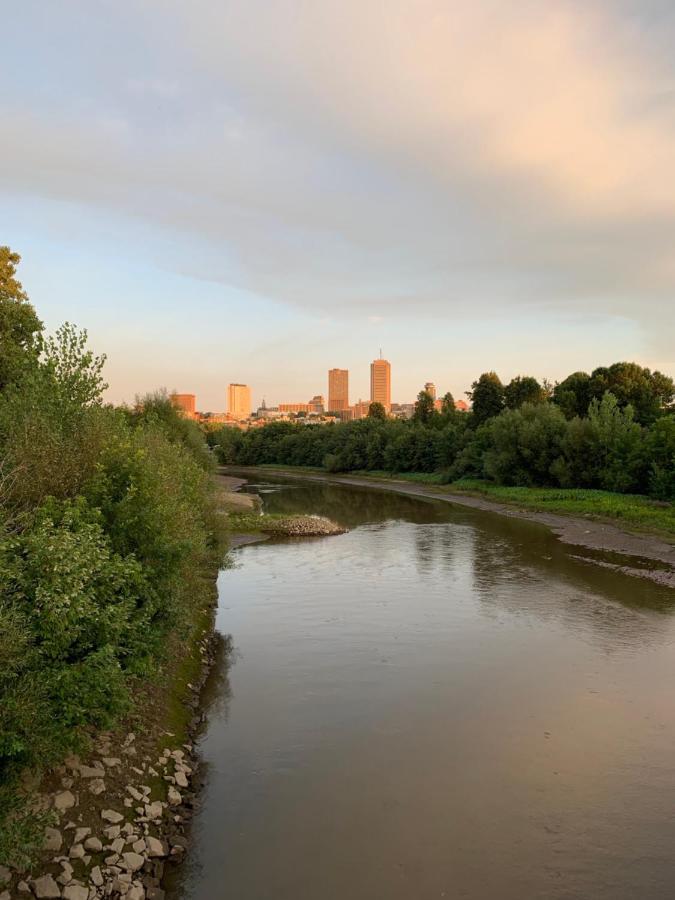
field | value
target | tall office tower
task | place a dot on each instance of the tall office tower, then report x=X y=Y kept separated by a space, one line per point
x=185 y=403
x=239 y=401
x=338 y=390
x=430 y=388
x=380 y=383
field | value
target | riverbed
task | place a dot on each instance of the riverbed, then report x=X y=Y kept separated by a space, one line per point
x=441 y=702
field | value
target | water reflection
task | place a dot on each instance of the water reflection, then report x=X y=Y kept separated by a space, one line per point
x=438 y=703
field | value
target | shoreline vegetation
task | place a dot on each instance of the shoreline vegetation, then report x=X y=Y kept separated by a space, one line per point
x=110 y=545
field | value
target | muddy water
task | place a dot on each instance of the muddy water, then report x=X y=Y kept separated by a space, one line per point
x=439 y=703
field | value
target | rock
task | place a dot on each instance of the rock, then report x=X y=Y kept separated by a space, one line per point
x=118 y=845
x=96 y=786
x=109 y=815
x=134 y=793
x=64 y=800
x=133 y=861
x=46 y=888
x=66 y=875
x=136 y=892
x=174 y=797
x=53 y=840
x=96 y=876
x=156 y=848
x=6 y=875
x=139 y=846
x=24 y=887
x=75 y=892
x=5 y=896
x=155 y=893
x=67 y=782
x=181 y=780
x=112 y=860
x=111 y=761
x=92 y=771
x=93 y=844
x=154 y=810
x=112 y=831
x=80 y=835
x=76 y=851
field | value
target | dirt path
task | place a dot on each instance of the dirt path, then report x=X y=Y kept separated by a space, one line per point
x=587 y=533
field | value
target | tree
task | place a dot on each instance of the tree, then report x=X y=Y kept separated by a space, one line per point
x=377 y=411
x=649 y=393
x=19 y=325
x=573 y=394
x=487 y=396
x=424 y=408
x=448 y=404
x=526 y=444
x=523 y=389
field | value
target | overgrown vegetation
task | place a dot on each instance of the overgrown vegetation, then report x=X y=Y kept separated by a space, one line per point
x=107 y=527
x=611 y=431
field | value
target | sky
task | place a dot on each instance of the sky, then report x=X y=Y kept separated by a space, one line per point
x=254 y=191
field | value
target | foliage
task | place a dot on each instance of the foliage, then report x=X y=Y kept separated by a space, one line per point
x=107 y=523
x=425 y=410
x=377 y=411
x=648 y=393
x=525 y=445
x=487 y=397
x=523 y=389
x=19 y=325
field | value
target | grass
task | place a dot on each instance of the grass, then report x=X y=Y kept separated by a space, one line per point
x=630 y=511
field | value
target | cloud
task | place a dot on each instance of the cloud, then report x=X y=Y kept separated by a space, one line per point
x=417 y=157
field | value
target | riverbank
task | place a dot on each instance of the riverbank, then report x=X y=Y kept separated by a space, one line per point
x=578 y=530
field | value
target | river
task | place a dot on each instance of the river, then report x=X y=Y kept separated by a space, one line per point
x=441 y=702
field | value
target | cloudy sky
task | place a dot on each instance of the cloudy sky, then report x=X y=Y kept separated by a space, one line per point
x=258 y=190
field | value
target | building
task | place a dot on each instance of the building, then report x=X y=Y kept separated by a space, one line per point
x=338 y=390
x=430 y=388
x=317 y=404
x=380 y=383
x=185 y=403
x=293 y=407
x=239 y=401
x=461 y=405
x=361 y=409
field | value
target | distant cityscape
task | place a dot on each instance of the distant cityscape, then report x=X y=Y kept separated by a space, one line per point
x=241 y=414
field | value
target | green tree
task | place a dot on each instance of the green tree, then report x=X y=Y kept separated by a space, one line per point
x=377 y=411
x=649 y=393
x=19 y=325
x=487 y=397
x=525 y=445
x=523 y=389
x=573 y=394
x=448 y=405
x=425 y=411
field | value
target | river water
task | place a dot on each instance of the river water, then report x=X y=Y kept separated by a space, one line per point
x=441 y=702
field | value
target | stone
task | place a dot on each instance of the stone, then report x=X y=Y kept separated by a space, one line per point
x=109 y=815
x=118 y=845
x=174 y=797
x=75 y=892
x=64 y=800
x=93 y=844
x=67 y=874
x=139 y=846
x=96 y=876
x=134 y=793
x=112 y=831
x=45 y=888
x=154 y=810
x=181 y=780
x=96 y=786
x=6 y=875
x=80 y=835
x=92 y=771
x=23 y=887
x=76 y=851
x=136 y=892
x=155 y=893
x=133 y=861
x=53 y=840
x=156 y=848
x=112 y=860
x=111 y=761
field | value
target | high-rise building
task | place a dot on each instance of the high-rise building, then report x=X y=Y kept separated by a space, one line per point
x=316 y=404
x=239 y=401
x=185 y=403
x=338 y=389
x=380 y=383
x=430 y=388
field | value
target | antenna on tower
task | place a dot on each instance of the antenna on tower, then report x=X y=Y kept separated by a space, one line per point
x=380 y=352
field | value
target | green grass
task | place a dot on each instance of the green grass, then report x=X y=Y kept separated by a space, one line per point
x=630 y=511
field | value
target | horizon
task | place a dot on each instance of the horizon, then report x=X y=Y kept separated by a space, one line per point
x=253 y=194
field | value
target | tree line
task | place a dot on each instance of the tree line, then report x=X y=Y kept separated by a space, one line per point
x=109 y=535
x=612 y=429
